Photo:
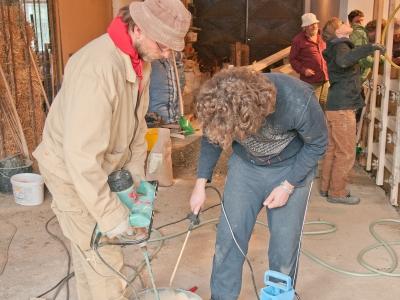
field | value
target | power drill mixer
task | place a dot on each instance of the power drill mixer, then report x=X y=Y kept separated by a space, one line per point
x=140 y=202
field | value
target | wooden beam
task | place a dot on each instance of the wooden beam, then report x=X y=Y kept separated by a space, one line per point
x=385 y=103
x=394 y=184
x=35 y=67
x=374 y=87
x=266 y=62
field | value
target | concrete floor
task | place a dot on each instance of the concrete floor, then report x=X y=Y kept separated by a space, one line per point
x=36 y=262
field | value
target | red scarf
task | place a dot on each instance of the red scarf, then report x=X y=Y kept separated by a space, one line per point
x=118 y=32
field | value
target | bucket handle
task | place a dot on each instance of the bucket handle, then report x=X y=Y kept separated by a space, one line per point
x=286 y=284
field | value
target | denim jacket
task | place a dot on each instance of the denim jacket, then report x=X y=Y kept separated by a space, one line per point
x=297 y=110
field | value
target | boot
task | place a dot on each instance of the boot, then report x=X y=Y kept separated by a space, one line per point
x=350 y=200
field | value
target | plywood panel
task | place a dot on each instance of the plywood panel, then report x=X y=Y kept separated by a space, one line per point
x=79 y=22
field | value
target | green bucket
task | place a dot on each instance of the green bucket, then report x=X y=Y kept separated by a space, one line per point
x=10 y=166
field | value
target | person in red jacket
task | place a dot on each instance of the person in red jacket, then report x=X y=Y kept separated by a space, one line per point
x=306 y=57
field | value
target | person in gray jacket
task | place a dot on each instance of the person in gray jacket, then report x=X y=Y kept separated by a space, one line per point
x=277 y=131
x=344 y=98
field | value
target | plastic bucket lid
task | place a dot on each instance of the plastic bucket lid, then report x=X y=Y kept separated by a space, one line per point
x=168 y=294
x=28 y=188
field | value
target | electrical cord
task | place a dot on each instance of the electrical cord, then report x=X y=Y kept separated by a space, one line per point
x=330 y=229
x=61 y=282
x=241 y=251
x=3 y=267
x=69 y=275
x=185 y=218
x=116 y=272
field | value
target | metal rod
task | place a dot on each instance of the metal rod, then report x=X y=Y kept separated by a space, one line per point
x=246 y=28
x=41 y=50
x=54 y=64
x=34 y=22
x=178 y=84
x=32 y=112
x=146 y=258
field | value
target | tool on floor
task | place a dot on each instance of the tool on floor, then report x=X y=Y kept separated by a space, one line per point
x=194 y=220
x=184 y=123
x=278 y=287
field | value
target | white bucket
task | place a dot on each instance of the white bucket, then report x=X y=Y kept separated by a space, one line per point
x=28 y=188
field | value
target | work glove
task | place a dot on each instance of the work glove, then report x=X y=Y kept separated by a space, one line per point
x=123 y=227
x=379 y=47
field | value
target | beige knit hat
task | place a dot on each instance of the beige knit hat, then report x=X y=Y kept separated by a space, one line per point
x=164 y=21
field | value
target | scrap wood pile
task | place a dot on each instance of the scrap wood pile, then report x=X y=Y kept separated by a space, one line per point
x=22 y=102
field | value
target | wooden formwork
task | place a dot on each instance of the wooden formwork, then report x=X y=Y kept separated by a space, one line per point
x=380 y=135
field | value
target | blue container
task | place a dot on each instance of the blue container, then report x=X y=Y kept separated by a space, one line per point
x=280 y=289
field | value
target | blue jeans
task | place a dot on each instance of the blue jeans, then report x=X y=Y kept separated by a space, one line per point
x=246 y=188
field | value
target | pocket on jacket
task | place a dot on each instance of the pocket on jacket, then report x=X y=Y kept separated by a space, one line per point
x=65 y=198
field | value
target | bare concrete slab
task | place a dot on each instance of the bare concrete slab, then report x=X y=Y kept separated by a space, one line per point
x=36 y=262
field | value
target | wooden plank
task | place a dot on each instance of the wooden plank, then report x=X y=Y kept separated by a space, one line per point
x=245 y=55
x=374 y=87
x=238 y=54
x=394 y=83
x=385 y=103
x=394 y=186
x=266 y=62
x=389 y=159
x=391 y=122
x=35 y=67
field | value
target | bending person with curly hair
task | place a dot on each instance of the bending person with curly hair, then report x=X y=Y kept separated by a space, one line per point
x=277 y=131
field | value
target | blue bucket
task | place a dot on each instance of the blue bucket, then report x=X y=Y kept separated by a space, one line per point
x=278 y=289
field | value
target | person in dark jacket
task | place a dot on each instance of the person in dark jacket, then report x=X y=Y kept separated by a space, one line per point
x=344 y=98
x=277 y=131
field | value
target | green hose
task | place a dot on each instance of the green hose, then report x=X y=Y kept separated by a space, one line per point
x=374 y=271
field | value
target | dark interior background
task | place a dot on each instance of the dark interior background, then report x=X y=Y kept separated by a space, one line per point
x=271 y=26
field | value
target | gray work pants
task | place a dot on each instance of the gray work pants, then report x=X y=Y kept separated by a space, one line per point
x=246 y=188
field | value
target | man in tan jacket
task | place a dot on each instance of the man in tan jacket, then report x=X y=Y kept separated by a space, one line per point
x=96 y=126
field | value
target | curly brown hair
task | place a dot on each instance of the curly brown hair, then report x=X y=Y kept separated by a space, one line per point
x=233 y=104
